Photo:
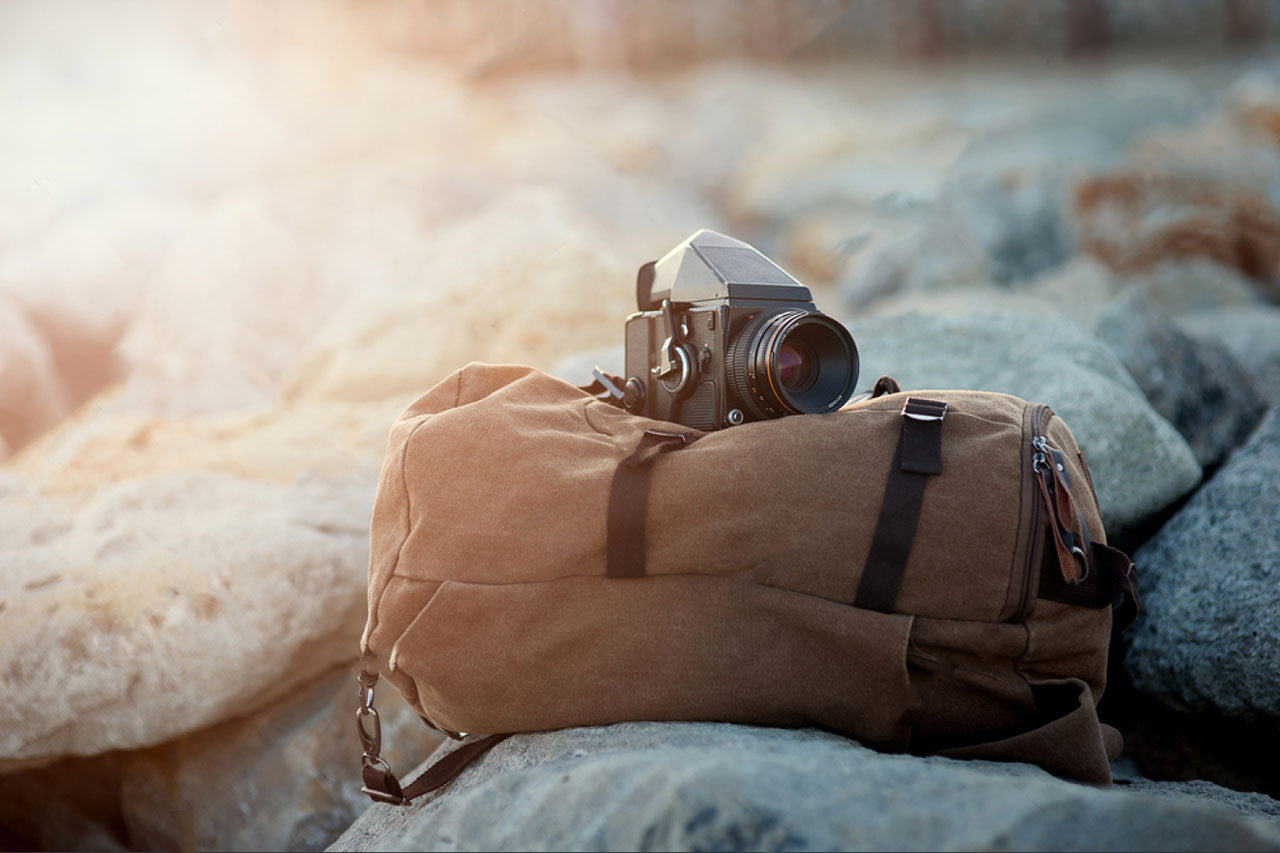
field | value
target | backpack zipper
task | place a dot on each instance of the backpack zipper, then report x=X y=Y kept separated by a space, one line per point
x=1064 y=522
x=1036 y=522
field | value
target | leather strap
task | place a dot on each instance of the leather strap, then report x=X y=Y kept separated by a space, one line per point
x=1112 y=582
x=885 y=385
x=629 y=501
x=380 y=784
x=917 y=457
x=448 y=768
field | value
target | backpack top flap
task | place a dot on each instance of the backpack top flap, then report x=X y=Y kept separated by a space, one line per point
x=495 y=470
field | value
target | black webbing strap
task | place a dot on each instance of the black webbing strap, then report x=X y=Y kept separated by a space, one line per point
x=917 y=457
x=629 y=502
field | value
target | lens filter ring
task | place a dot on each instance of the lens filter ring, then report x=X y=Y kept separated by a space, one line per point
x=792 y=362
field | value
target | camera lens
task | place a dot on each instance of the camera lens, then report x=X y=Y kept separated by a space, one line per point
x=795 y=367
x=792 y=362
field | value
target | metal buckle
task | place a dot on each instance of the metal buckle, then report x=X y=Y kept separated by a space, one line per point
x=382 y=796
x=1082 y=564
x=920 y=409
x=381 y=785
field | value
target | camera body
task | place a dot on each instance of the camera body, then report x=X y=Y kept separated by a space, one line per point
x=725 y=336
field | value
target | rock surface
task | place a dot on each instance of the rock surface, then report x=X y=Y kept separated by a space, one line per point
x=216 y=294
x=1209 y=633
x=1252 y=334
x=1139 y=463
x=1196 y=385
x=285 y=778
x=708 y=786
x=169 y=602
x=32 y=396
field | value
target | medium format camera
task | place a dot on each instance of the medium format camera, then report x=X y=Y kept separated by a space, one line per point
x=724 y=336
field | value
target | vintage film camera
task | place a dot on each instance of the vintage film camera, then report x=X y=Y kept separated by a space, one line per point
x=725 y=336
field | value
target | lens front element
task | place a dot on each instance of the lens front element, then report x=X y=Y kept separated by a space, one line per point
x=793 y=362
x=795 y=367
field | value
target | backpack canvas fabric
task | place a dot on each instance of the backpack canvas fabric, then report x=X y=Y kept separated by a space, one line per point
x=491 y=608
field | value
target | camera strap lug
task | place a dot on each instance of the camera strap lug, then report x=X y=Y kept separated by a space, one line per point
x=610 y=390
x=677 y=365
x=606 y=388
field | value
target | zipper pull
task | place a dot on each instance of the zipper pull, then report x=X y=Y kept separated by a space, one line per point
x=1048 y=460
x=1067 y=537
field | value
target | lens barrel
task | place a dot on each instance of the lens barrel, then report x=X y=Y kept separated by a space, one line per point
x=792 y=362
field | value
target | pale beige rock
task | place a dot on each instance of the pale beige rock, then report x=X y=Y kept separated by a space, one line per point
x=528 y=280
x=286 y=778
x=148 y=593
x=32 y=397
x=82 y=279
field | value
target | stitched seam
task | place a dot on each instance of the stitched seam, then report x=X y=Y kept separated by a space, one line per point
x=951 y=413
x=408 y=498
x=408 y=506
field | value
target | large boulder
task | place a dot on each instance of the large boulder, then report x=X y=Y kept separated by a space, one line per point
x=1139 y=463
x=560 y=282
x=1251 y=333
x=1197 y=385
x=712 y=786
x=285 y=777
x=161 y=576
x=32 y=395
x=1209 y=634
x=1135 y=220
x=1083 y=288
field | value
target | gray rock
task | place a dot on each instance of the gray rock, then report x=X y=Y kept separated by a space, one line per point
x=1197 y=385
x=285 y=778
x=1138 y=461
x=1020 y=223
x=1185 y=287
x=282 y=778
x=1252 y=334
x=713 y=786
x=934 y=255
x=1209 y=633
x=1083 y=288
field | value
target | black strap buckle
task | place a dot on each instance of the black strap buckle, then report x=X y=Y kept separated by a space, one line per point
x=920 y=409
x=920 y=450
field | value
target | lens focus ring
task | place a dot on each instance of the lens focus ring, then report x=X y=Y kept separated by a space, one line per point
x=792 y=362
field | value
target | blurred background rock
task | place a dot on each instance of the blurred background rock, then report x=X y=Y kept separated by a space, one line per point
x=236 y=239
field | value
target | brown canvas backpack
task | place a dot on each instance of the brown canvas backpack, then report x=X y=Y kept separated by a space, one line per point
x=923 y=571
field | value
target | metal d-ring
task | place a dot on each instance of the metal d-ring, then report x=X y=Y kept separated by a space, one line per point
x=1082 y=564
